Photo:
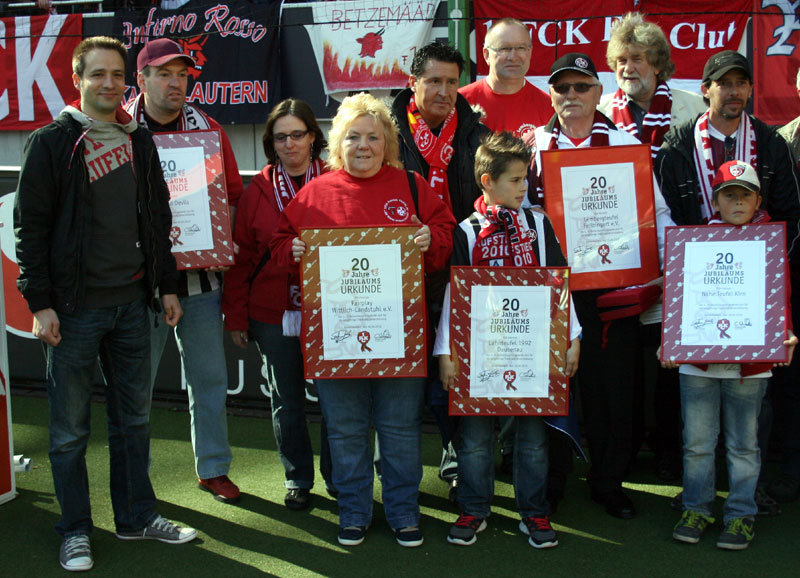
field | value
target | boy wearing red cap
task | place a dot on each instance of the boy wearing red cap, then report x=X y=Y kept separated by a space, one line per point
x=735 y=388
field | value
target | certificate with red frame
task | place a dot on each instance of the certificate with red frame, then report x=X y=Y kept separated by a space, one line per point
x=195 y=174
x=363 y=303
x=509 y=335
x=725 y=294
x=600 y=201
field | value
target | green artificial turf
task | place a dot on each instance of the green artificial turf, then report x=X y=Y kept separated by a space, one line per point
x=259 y=536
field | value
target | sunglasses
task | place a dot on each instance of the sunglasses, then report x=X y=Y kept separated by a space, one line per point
x=295 y=135
x=580 y=87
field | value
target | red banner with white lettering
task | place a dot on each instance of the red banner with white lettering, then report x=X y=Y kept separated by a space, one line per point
x=695 y=30
x=36 y=68
x=777 y=59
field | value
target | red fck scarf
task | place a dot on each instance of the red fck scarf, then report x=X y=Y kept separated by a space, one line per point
x=656 y=122
x=745 y=151
x=437 y=151
x=283 y=184
x=501 y=237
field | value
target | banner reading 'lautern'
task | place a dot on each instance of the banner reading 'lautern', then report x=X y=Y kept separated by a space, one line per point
x=368 y=44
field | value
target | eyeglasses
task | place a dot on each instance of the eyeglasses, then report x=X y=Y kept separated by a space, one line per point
x=507 y=50
x=295 y=135
x=580 y=87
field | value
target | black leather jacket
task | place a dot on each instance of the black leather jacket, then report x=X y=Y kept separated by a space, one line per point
x=52 y=217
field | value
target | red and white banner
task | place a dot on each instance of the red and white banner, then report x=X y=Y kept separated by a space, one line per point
x=7 y=481
x=368 y=44
x=695 y=31
x=776 y=60
x=36 y=68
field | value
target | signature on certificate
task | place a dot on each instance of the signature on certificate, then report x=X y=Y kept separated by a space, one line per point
x=699 y=323
x=530 y=374
x=383 y=335
x=487 y=375
x=744 y=323
x=341 y=335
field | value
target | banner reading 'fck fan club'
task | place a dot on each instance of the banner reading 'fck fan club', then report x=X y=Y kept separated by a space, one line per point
x=693 y=37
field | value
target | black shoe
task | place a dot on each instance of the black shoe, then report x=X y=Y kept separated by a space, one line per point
x=297 y=499
x=617 y=503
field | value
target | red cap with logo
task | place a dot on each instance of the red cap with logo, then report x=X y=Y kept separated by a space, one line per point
x=160 y=51
x=736 y=173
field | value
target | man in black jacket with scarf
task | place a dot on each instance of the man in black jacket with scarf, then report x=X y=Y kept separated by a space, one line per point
x=439 y=134
x=92 y=224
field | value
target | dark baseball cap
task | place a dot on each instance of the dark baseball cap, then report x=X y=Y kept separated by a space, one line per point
x=576 y=61
x=723 y=62
x=160 y=51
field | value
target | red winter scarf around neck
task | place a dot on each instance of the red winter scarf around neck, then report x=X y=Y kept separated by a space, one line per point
x=656 y=122
x=746 y=150
x=502 y=236
x=283 y=184
x=189 y=118
x=437 y=151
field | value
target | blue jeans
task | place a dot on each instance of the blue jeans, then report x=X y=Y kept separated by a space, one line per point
x=199 y=335
x=284 y=364
x=476 y=466
x=394 y=406
x=120 y=338
x=701 y=398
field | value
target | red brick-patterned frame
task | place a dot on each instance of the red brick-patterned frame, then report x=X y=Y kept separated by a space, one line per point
x=461 y=281
x=221 y=255
x=414 y=364
x=774 y=234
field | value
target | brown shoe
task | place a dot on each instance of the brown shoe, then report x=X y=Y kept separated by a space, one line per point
x=223 y=489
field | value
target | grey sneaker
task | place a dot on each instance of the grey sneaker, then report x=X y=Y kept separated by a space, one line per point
x=539 y=531
x=75 y=554
x=464 y=530
x=162 y=530
x=737 y=535
x=766 y=505
x=691 y=526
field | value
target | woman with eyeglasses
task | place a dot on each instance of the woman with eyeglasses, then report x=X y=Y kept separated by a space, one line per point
x=263 y=301
x=368 y=188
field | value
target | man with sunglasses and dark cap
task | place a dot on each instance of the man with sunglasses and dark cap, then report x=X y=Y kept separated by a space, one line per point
x=162 y=76
x=606 y=374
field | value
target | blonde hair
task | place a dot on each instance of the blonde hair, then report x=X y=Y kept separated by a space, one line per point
x=352 y=107
x=634 y=32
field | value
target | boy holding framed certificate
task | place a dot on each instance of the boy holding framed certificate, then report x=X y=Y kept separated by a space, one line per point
x=736 y=388
x=502 y=234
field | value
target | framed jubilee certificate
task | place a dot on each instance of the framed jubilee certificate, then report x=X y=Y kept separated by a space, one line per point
x=725 y=294
x=363 y=303
x=509 y=334
x=600 y=201
x=198 y=197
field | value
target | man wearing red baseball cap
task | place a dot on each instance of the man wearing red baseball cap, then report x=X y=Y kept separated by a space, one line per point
x=162 y=76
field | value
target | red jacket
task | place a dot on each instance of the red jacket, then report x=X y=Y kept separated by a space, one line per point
x=338 y=199
x=265 y=299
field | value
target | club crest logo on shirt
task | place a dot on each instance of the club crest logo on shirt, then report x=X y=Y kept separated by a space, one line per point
x=736 y=170
x=396 y=210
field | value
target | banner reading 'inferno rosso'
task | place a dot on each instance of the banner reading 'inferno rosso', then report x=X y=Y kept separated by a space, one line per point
x=36 y=68
x=368 y=44
x=235 y=46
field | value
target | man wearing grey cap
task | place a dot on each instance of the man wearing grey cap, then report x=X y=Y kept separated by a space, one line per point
x=162 y=77
x=606 y=374
x=692 y=152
